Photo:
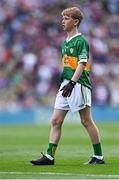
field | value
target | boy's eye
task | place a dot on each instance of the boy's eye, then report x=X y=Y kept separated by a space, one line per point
x=66 y=18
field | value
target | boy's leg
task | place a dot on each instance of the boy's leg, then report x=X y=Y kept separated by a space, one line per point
x=55 y=134
x=56 y=124
x=88 y=123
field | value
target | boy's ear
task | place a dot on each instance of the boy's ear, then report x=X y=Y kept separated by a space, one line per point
x=76 y=22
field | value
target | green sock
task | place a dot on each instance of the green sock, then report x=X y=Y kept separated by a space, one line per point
x=51 y=149
x=97 y=149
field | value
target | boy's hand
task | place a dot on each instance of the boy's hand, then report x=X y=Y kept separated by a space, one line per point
x=67 y=89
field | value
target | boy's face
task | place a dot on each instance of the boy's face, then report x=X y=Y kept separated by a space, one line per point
x=68 y=23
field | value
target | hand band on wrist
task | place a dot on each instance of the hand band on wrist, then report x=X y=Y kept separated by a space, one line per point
x=73 y=82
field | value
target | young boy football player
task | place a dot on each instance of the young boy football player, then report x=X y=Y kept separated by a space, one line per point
x=75 y=90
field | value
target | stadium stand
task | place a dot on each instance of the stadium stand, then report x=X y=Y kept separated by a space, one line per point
x=30 y=62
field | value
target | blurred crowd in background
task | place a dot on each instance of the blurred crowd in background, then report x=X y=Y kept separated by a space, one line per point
x=30 y=59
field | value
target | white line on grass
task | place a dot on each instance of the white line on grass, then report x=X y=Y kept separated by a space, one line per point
x=63 y=174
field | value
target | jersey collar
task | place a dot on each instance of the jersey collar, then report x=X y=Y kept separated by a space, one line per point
x=78 y=34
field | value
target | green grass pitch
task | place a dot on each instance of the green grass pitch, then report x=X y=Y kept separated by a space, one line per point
x=20 y=144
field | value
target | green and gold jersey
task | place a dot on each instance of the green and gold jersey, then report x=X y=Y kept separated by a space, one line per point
x=74 y=51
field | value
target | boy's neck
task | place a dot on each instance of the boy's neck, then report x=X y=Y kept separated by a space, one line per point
x=72 y=33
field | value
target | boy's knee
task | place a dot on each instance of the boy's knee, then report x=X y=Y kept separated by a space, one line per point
x=56 y=122
x=86 y=122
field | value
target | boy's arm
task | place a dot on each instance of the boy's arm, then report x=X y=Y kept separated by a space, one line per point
x=67 y=89
x=78 y=71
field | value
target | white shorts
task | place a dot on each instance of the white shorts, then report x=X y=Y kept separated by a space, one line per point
x=79 y=99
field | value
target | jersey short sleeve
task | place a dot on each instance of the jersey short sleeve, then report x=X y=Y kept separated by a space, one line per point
x=83 y=51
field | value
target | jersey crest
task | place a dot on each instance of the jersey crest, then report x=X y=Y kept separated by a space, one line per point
x=71 y=50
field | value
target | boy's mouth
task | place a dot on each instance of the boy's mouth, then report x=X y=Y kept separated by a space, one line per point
x=63 y=25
